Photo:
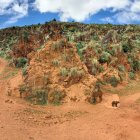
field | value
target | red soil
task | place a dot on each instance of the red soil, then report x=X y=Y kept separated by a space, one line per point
x=20 y=120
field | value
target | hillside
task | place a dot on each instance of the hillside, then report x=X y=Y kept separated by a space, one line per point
x=48 y=72
x=57 y=58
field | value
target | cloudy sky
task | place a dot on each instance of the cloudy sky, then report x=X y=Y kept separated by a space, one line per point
x=26 y=12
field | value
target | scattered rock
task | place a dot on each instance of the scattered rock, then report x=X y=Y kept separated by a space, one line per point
x=30 y=117
x=8 y=101
x=48 y=117
x=31 y=138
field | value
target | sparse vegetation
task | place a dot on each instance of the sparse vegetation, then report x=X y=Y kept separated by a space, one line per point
x=64 y=72
x=105 y=57
x=113 y=81
x=102 y=49
x=56 y=62
x=132 y=75
x=38 y=96
x=75 y=73
x=20 y=62
x=24 y=70
x=58 y=45
x=56 y=96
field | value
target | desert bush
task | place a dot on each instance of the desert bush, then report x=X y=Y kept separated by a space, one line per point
x=79 y=47
x=122 y=76
x=26 y=36
x=38 y=96
x=132 y=75
x=94 y=70
x=24 y=70
x=65 y=57
x=75 y=73
x=56 y=96
x=58 y=45
x=56 y=62
x=41 y=47
x=64 y=72
x=105 y=57
x=95 y=37
x=81 y=73
x=116 y=49
x=126 y=48
x=42 y=96
x=113 y=81
x=136 y=65
x=23 y=88
x=101 y=69
x=121 y=68
x=134 y=62
x=2 y=54
x=95 y=64
x=61 y=43
x=20 y=62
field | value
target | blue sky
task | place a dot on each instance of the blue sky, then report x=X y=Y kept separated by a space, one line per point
x=27 y=12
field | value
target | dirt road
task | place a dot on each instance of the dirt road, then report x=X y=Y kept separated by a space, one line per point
x=72 y=121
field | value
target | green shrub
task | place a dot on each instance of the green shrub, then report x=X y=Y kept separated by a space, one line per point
x=24 y=70
x=122 y=76
x=55 y=46
x=26 y=36
x=79 y=47
x=41 y=96
x=2 y=54
x=113 y=81
x=58 y=45
x=64 y=72
x=56 y=97
x=22 y=88
x=116 y=49
x=126 y=48
x=121 y=68
x=132 y=75
x=56 y=62
x=105 y=57
x=94 y=70
x=41 y=47
x=65 y=57
x=101 y=69
x=75 y=73
x=136 y=65
x=38 y=96
x=81 y=73
x=95 y=37
x=94 y=62
x=20 y=62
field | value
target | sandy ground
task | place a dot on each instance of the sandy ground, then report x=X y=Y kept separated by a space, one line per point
x=72 y=121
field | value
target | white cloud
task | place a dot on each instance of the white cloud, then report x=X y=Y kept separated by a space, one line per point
x=125 y=11
x=135 y=6
x=128 y=15
x=16 y=9
x=79 y=10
